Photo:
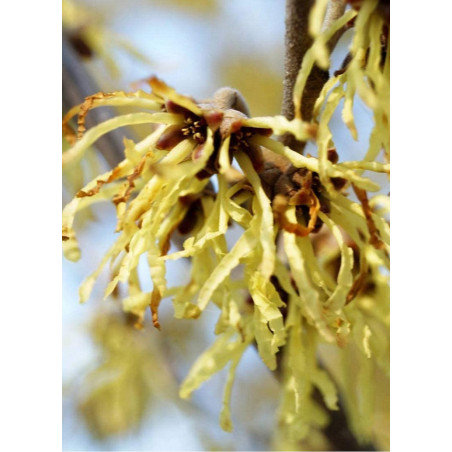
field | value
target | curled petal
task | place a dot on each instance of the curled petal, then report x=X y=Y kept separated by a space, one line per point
x=280 y=204
x=162 y=89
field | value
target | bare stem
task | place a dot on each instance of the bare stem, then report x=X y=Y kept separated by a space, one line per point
x=298 y=43
x=334 y=10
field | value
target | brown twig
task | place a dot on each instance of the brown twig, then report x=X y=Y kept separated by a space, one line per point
x=297 y=43
x=78 y=84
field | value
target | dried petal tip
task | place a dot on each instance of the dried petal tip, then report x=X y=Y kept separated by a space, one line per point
x=156 y=84
x=154 y=305
x=155 y=321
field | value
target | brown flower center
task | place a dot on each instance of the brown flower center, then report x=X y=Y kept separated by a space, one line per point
x=195 y=128
x=239 y=140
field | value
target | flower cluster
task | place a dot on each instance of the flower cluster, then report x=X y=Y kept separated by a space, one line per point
x=206 y=166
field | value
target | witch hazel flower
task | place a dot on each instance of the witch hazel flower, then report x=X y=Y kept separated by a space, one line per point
x=164 y=188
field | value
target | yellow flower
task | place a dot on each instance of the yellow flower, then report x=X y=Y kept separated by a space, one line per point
x=164 y=184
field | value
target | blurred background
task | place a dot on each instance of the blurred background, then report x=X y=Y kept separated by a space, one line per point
x=120 y=385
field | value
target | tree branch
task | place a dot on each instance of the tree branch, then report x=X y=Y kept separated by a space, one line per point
x=78 y=84
x=334 y=10
x=298 y=41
